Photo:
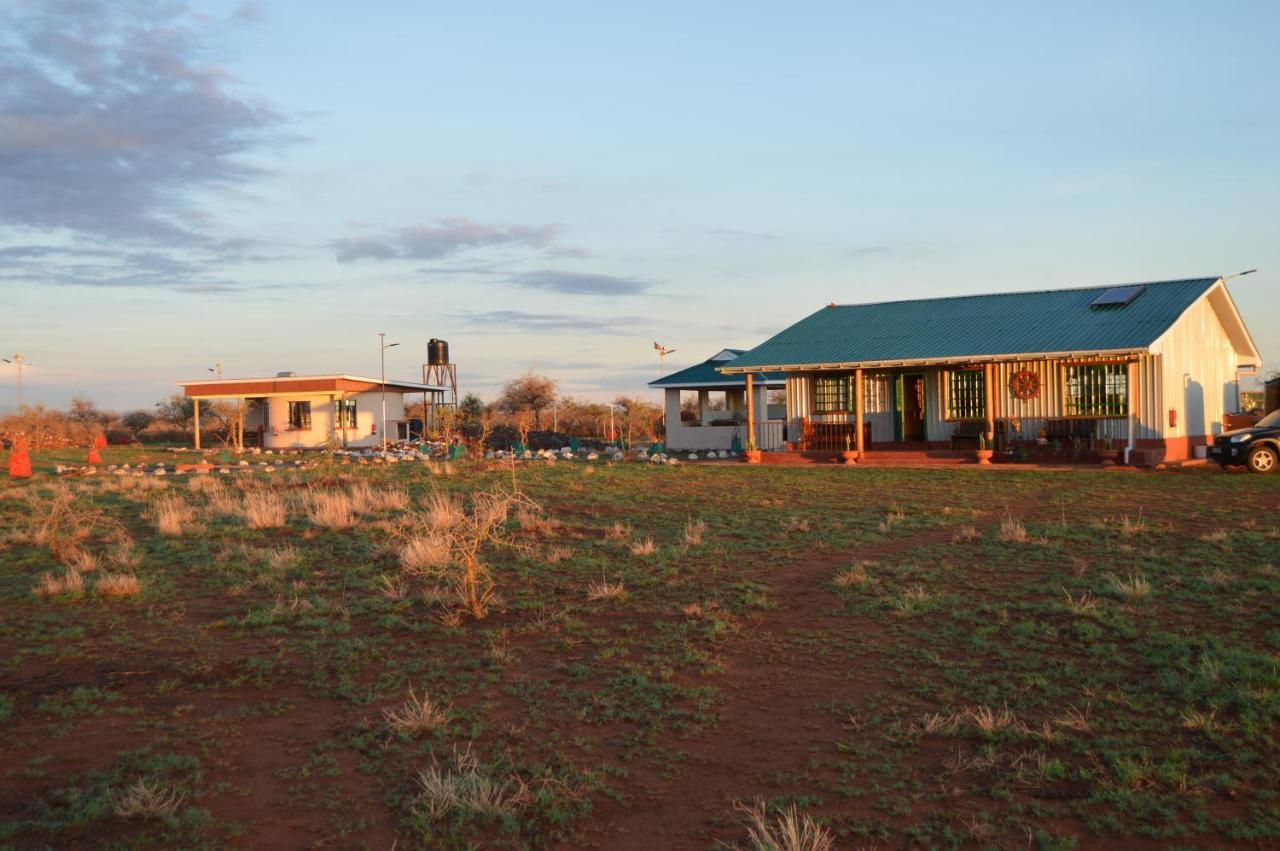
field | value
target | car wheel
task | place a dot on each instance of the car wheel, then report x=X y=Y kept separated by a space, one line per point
x=1263 y=459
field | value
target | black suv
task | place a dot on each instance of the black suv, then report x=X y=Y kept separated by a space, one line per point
x=1257 y=447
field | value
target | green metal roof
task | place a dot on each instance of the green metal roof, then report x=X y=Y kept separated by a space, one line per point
x=706 y=374
x=1030 y=323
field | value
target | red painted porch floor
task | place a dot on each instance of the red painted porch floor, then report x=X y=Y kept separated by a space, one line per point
x=918 y=457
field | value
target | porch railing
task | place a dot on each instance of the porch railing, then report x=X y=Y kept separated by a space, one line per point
x=771 y=435
x=833 y=437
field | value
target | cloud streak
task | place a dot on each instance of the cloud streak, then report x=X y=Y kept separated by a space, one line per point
x=579 y=283
x=443 y=238
x=520 y=320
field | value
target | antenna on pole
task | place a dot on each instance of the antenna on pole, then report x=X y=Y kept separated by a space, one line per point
x=1239 y=274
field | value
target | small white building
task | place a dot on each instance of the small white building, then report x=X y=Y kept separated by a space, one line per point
x=706 y=409
x=303 y=411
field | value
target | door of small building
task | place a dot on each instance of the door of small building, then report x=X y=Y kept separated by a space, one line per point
x=908 y=408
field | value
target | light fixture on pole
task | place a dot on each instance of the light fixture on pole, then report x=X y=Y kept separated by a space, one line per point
x=19 y=361
x=216 y=369
x=382 y=342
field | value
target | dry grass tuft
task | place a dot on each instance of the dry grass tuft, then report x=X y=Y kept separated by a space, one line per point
x=964 y=534
x=854 y=574
x=606 y=590
x=264 y=510
x=644 y=548
x=146 y=800
x=1074 y=719
x=1130 y=527
x=468 y=788
x=990 y=720
x=365 y=499
x=443 y=511
x=1012 y=530
x=417 y=715
x=1134 y=587
x=693 y=532
x=329 y=508
x=393 y=587
x=892 y=517
x=790 y=830
x=910 y=600
x=555 y=555
x=283 y=557
x=1217 y=536
x=1085 y=604
x=50 y=585
x=82 y=561
x=618 y=531
x=426 y=553
x=117 y=585
x=171 y=514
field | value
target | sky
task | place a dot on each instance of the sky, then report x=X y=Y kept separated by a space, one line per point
x=555 y=186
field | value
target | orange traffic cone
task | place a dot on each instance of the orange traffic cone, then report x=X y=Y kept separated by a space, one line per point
x=20 y=460
x=95 y=457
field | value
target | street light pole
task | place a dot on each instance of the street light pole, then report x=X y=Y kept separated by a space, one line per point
x=663 y=351
x=384 y=345
x=19 y=361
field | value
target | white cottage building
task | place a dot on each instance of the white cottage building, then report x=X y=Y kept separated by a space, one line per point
x=292 y=411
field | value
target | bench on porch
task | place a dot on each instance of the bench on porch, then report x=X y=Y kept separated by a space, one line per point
x=831 y=437
x=971 y=430
x=1070 y=431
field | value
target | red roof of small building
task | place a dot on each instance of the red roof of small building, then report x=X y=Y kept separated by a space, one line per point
x=228 y=387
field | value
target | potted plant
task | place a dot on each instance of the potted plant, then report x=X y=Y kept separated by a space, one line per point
x=849 y=455
x=754 y=456
x=1042 y=438
x=984 y=453
x=1108 y=453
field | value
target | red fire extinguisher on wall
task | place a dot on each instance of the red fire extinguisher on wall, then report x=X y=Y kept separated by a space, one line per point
x=375 y=429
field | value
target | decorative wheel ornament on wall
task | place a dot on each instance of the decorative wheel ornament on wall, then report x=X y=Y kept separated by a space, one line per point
x=1025 y=384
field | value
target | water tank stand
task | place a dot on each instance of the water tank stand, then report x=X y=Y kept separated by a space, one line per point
x=444 y=375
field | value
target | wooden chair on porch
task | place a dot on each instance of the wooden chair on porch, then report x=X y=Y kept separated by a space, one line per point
x=969 y=431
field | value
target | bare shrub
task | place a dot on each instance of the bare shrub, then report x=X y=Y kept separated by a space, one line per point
x=790 y=830
x=417 y=715
x=467 y=787
x=264 y=510
x=329 y=508
x=117 y=585
x=146 y=800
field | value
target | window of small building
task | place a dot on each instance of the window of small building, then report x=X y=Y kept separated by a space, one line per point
x=344 y=413
x=689 y=411
x=875 y=394
x=718 y=400
x=1096 y=390
x=300 y=415
x=776 y=397
x=831 y=394
x=966 y=394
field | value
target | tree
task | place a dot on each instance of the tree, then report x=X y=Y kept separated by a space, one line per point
x=471 y=407
x=136 y=422
x=86 y=414
x=177 y=410
x=530 y=392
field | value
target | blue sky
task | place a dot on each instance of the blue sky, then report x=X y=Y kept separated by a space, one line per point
x=558 y=185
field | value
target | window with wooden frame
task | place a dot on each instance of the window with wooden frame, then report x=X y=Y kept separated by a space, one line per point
x=1095 y=389
x=875 y=394
x=300 y=416
x=966 y=394
x=831 y=394
x=344 y=413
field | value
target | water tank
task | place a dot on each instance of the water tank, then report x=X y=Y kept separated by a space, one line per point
x=437 y=352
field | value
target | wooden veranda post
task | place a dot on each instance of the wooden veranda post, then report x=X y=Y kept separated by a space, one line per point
x=195 y=419
x=858 y=407
x=989 y=404
x=751 y=415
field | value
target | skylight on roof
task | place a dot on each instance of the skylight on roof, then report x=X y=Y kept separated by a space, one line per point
x=1118 y=296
